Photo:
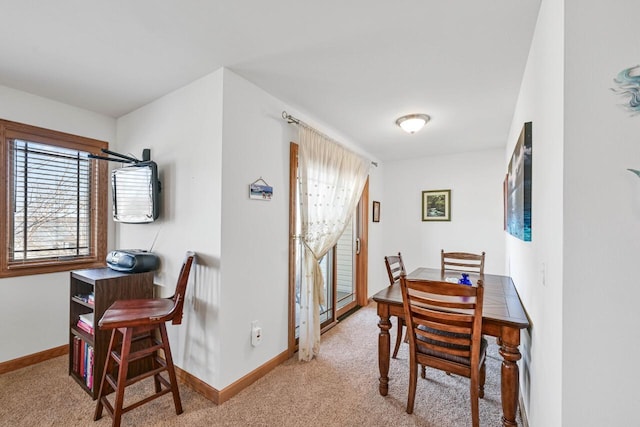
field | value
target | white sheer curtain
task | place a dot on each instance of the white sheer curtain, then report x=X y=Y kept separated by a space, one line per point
x=331 y=182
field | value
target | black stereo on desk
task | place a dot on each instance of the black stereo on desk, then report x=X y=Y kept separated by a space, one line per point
x=132 y=260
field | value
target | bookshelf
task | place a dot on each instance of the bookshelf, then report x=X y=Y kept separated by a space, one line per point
x=106 y=286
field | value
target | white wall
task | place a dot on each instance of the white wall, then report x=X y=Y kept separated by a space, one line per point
x=34 y=310
x=601 y=218
x=255 y=242
x=541 y=102
x=579 y=356
x=255 y=233
x=475 y=180
x=183 y=129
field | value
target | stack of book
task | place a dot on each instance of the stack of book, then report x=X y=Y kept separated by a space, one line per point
x=83 y=351
x=85 y=322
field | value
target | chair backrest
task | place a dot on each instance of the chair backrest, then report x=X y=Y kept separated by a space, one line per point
x=444 y=322
x=395 y=267
x=462 y=261
x=181 y=288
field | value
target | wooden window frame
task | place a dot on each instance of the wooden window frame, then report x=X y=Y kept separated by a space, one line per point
x=99 y=191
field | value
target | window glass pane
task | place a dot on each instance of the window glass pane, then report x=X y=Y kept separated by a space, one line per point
x=50 y=199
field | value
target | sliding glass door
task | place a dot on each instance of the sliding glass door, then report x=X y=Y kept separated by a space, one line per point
x=343 y=267
x=338 y=271
x=345 y=271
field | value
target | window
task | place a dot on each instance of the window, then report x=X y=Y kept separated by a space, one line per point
x=53 y=197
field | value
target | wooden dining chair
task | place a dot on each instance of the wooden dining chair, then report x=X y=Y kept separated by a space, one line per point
x=395 y=266
x=444 y=324
x=141 y=325
x=462 y=261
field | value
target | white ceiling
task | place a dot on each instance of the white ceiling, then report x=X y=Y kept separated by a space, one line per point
x=356 y=65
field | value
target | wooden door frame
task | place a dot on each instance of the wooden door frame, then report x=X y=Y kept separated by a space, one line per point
x=362 y=258
x=293 y=201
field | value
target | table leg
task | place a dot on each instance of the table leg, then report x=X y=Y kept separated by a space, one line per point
x=384 y=345
x=509 y=343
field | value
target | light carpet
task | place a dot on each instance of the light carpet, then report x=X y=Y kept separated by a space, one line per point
x=338 y=388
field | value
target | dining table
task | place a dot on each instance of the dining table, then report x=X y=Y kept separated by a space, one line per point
x=503 y=317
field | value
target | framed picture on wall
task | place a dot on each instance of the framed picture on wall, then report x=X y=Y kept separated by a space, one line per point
x=505 y=192
x=436 y=205
x=258 y=191
x=519 y=186
x=376 y=211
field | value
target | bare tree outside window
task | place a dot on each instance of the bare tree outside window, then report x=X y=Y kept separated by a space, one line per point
x=51 y=188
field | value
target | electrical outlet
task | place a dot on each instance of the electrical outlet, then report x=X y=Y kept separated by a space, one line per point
x=256 y=333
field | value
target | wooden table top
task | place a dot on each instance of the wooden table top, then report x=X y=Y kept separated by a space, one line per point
x=501 y=301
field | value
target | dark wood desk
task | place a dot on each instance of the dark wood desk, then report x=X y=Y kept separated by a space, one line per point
x=503 y=316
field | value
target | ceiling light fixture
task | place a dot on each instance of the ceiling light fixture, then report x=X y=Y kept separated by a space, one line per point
x=412 y=123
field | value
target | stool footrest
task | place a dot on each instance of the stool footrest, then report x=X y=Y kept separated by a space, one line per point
x=145 y=375
x=146 y=399
x=137 y=355
x=107 y=405
x=163 y=367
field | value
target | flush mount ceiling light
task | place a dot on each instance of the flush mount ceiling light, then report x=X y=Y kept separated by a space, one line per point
x=412 y=123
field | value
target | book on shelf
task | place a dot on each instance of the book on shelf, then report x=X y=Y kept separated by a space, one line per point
x=85 y=355
x=89 y=379
x=87 y=318
x=76 y=354
x=85 y=327
x=81 y=360
x=88 y=298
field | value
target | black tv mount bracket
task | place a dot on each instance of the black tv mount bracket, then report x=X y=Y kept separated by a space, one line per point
x=146 y=156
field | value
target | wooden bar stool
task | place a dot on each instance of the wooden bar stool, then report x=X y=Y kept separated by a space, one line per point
x=139 y=322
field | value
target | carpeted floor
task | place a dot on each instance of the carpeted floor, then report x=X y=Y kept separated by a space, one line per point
x=339 y=388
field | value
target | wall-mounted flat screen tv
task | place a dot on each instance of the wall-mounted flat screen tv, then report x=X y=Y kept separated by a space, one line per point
x=136 y=191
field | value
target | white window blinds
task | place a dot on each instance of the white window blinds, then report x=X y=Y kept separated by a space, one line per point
x=50 y=200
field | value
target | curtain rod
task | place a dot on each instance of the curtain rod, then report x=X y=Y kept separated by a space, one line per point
x=290 y=119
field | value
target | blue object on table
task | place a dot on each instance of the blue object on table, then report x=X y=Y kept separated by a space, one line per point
x=465 y=280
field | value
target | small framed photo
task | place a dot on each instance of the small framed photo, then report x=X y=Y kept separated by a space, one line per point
x=376 y=211
x=260 y=192
x=436 y=205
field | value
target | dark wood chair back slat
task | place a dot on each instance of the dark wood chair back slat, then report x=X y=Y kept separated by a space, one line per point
x=181 y=288
x=395 y=266
x=462 y=261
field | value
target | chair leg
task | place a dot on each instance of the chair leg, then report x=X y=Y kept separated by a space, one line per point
x=398 y=337
x=104 y=385
x=483 y=376
x=123 y=369
x=413 y=381
x=170 y=369
x=475 y=411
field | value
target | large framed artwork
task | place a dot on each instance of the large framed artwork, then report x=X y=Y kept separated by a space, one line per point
x=518 y=213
